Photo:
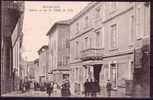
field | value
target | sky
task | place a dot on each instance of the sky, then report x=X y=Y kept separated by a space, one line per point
x=39 y=16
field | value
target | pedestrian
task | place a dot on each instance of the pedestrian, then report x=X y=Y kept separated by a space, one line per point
x=23 y=86
x=109 y=88
x=68 y=88
x=28 y=85
x=35 y=86
x=49 y=88
x=65 y=91
x=92 y=88
x=55 y=89
x=95 y=88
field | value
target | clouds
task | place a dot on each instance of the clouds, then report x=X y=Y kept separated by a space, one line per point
x=37 y=23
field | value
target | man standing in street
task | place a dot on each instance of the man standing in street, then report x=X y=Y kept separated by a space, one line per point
x=49 y=88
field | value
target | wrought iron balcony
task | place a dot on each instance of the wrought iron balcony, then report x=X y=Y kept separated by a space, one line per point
x=92 y=54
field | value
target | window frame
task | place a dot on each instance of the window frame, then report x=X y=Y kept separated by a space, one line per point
x=114 y=37
x=138 y=23
x=116 y=73
x=132 y=29
x=77 y=28
x=86 y=22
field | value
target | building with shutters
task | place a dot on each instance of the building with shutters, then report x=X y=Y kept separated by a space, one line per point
x=105 y=38
x=59 y=50
x=11 y=36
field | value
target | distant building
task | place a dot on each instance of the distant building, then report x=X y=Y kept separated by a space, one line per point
x=11 y=36
x=104 y=38
x=22 y=68
x=31 y=70
x=59 y=49
x=43 y=63
x=36 y=64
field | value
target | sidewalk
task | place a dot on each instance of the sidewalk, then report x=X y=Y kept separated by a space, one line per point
x=30 y=93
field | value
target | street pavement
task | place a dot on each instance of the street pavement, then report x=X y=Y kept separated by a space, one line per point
x=32 y=93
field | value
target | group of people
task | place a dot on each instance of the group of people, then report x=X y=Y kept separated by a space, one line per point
x=24 y=86
x=36 y=86
x=54 y=88
x=91 y=88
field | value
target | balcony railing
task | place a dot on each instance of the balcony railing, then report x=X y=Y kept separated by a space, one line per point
x=91 y=54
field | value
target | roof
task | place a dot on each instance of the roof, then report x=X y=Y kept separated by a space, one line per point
x=67 y=22
x=62 y=22
x=43 y=47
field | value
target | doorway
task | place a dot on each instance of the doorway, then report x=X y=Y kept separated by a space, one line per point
x=97 y=69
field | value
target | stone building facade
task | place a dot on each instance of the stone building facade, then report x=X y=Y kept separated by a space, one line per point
x=36 y=64
x=103 y=40
x=59 y=49
x=11 y=20
x=43 y=63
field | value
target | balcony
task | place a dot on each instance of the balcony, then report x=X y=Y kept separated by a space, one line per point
x=91 y=54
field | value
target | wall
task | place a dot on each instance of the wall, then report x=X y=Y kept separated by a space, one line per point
x=53 y=37
x=62 y=49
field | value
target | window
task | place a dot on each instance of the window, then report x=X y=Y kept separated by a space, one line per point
x=98 y=39
x=86 y=22
x=67 y=43
x=113 y=36
x=103 y=38
x=90 y=42
x=55 y=45
x=77 y=49
x=138 y=25
x=98 y=12
x=76 y=74
x=63 y=43
x=67 y=60
x=63 y=62
x=146 y=21
x=113 y=75
x=65 y=76
x=77 y=27
x=86 y=42
x=131 y=69
x=132 y=28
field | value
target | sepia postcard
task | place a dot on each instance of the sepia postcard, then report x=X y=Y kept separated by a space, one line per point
x=75 y=49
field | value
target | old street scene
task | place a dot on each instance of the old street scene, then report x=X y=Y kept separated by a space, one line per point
x=75 y=49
